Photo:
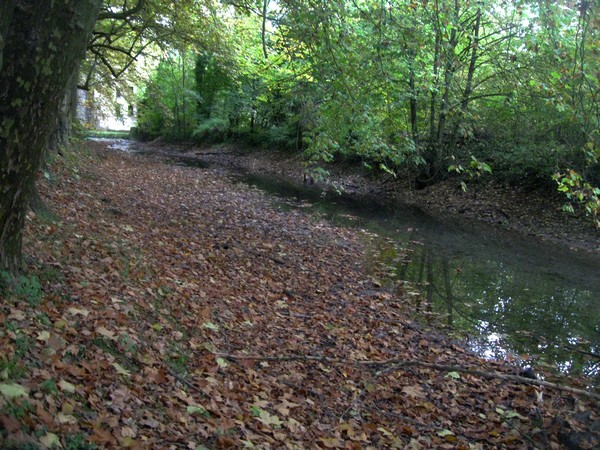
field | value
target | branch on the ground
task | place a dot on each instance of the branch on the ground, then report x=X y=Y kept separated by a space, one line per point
x=399 y=364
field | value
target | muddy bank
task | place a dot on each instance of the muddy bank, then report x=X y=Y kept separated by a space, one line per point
x=536 y=213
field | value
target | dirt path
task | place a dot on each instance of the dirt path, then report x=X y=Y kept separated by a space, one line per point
x=158 y=274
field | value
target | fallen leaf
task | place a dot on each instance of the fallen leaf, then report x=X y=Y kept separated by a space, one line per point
x=332 y=442
x=121 y=369
x=43 y=336
x=63 y=419
x=65 y=386
x=211 y=326
x=51 y=440
x=414 y=391
x=106 y=333
x=14 y=390
x=80 y=312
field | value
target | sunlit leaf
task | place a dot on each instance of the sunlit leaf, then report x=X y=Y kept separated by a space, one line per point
x=121 y=369
x=13 y=390
x=211 y=326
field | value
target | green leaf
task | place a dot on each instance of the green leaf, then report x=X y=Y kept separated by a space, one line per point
x=211 y=326
x=196 y=409
x=51 y=440
x=444 y=433
x=255 y=411
x=269 y=419
x=222 y=363
x=454 y=375
x=13 y=390
x=121 y=369
x=511 y=414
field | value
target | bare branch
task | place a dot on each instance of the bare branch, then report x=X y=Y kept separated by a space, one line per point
x=399 y=364
x=122 y=15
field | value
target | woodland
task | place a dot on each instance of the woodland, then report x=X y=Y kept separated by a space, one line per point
x=151 y=305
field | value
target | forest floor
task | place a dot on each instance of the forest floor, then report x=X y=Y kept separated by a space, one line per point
x=177 y=309
x=529 y=211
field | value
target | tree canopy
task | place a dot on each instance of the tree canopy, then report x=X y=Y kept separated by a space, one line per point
x=407 y=87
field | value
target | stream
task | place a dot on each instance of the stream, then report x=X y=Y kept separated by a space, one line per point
x=506 y=295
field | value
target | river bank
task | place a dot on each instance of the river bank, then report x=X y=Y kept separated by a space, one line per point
x=531 y=212
x=179 y=309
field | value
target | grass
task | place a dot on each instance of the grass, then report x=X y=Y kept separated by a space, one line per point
x=106 y=134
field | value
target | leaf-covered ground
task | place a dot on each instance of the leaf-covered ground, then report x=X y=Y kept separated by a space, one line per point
x=526 y=209
x=179 y=309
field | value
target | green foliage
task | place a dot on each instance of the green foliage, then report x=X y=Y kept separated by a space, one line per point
x=78 y=442
x=403 y=86
x=22 y=288
x=169 y=102
x=211 y=130
x=48 y=387
x=106 y=134
x=11 y=444
x=11 y=369
x=475 y=169
x=580 y=193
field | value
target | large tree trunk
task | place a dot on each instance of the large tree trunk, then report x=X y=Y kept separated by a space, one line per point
x=43 y=45
x=67 y=111
x=6 y=12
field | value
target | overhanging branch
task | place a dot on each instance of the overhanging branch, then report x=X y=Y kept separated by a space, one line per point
x=122 y=15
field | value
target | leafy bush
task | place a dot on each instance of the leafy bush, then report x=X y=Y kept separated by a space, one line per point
x=212 y=130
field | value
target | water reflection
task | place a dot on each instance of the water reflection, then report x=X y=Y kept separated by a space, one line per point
x=508 y=310
x=512 y=297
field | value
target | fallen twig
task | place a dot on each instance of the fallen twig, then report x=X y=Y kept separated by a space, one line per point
x=399 y=364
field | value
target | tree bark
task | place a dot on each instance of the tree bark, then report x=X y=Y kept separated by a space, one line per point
x=66 y=113
x=464 y=104
x=6 y=12
x=43 y=44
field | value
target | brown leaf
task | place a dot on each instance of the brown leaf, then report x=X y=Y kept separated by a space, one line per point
x=414 y=391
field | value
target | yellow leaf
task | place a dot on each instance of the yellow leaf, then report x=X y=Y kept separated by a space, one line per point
x=332 y=442
x=65 y=386
x=13 y=390
x=62 y=419
x=81 y=312
x=43 y=336
x=106 y=333
x=50 y=440
x=121 y=369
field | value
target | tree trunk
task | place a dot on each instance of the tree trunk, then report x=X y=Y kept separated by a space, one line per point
x=449 y=72
x=6 y=12
x=436 y=65
x=43 y=44
x=66 y=113
x=464 y=104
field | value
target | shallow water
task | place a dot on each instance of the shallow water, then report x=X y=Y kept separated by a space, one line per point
x=509 y=296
